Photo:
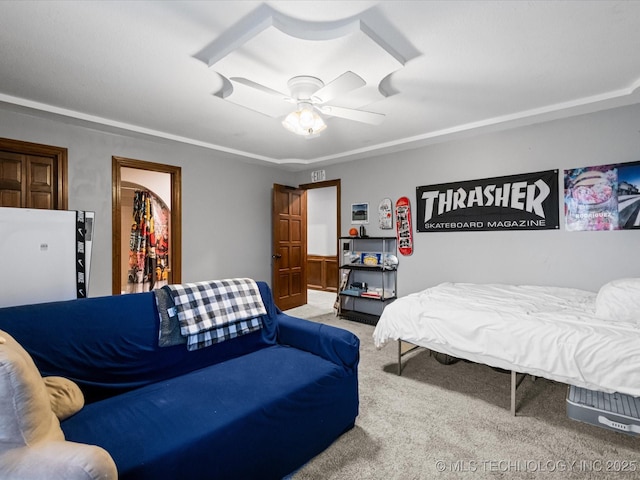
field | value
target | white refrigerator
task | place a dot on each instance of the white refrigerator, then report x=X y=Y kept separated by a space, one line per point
x=45 y=255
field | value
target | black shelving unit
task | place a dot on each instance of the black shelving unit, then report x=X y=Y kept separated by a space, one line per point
x=368 y=272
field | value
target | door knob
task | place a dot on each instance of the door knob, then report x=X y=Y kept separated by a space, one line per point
x=277 y=255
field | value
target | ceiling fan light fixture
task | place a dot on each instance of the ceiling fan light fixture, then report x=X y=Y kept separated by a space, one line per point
x=304 y=121
x=307 y=117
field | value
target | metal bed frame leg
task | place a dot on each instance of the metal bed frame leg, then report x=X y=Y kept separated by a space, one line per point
x=513 y=392
x=401 y=354
x=515 y=383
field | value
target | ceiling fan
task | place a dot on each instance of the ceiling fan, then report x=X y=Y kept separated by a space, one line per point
x=311 y=95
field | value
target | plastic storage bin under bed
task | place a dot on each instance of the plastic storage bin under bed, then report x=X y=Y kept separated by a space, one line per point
x=614 y=411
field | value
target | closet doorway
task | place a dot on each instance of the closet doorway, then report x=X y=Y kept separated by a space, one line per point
x=146 y=224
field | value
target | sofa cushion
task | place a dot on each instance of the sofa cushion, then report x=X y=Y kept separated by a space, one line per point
x=261 y=415
x=65 y=396
x=25 y=411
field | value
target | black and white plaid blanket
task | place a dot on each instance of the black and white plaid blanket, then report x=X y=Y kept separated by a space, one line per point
x=212 y=311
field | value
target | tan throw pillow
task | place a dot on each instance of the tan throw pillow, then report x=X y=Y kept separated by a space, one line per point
x=66 y=397
x=26 y=416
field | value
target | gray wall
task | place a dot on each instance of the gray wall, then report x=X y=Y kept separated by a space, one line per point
x=227 y=207
x=561 y=258
x=226 y=203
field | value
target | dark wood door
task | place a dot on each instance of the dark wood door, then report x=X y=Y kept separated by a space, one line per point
x=32 y=175
x=12 y=187
x=289 y=219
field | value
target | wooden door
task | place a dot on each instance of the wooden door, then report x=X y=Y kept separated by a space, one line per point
x=32 y=175
x=12 y=187
x=289 y=219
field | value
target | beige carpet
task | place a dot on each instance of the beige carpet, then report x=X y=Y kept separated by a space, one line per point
x=445 y=422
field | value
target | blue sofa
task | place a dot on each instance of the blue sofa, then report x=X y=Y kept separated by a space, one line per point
x=256 y=406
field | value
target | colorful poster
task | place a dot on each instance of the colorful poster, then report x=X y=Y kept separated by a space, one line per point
x=629 y=195
x=527 y=201
x=602 y=198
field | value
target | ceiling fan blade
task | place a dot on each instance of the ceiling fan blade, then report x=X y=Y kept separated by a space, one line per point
x=253 y=96
x=344 y=83
x=262 y=88
x=371 y=118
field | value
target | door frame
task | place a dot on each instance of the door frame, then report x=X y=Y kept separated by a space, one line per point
x=325 y=184
x=116 y=216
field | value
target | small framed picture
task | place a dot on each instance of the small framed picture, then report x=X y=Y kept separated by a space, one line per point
x=359 y=213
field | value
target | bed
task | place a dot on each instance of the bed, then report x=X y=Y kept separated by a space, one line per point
x=577 y=337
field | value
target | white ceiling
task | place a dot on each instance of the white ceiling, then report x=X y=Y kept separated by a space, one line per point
x=447 y=68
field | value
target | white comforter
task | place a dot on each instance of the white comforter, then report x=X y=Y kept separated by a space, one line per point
x=544 y=331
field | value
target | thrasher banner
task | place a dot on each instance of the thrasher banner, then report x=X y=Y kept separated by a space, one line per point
x=527 y=201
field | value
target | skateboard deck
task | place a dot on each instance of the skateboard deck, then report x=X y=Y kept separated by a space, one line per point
x=403 y=226
x=385 y=214
x=337 y=305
